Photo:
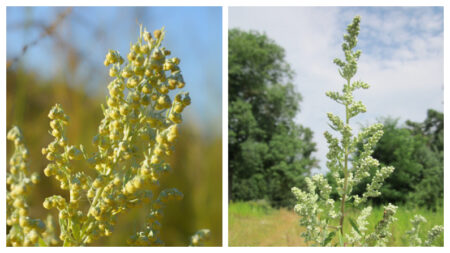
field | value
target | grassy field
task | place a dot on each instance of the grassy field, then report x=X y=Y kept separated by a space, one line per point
x=257 y=224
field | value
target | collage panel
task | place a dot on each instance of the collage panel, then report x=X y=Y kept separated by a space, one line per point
x=114 y=126
x=335 y=126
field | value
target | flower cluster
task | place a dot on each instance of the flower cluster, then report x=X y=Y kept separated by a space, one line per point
x=134 y=140
x=381 y=235
x=413 y=234
x=200 y=237
x=24 y=230
x=350 y=161
x=149 y=237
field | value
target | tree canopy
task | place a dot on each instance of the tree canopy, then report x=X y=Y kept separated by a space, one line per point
x=268 y=152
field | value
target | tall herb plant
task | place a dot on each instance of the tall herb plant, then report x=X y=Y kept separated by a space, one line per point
x=322 y=216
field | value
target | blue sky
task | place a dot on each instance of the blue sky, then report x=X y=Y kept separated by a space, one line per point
x=402 y=59
x=194 y=34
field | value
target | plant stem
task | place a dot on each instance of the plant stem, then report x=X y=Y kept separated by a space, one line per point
x=347 y=120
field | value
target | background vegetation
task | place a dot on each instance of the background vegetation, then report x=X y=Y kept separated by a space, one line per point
x=31 y=92
x=268 y=152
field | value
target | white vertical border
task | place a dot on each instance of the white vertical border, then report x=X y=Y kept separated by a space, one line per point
x=446 y=126
x=3 y=125
x=225 y=126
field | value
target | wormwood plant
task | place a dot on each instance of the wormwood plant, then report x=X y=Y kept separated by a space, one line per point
x=134 y=140
x=323 y=218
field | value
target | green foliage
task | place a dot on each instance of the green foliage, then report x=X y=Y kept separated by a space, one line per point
x=268 y=152
x=250 y=208
x=417 y=156
x=429 y=191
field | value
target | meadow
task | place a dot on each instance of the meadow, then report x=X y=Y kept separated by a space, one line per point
x=255 y=223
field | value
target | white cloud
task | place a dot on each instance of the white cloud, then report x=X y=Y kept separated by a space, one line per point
x=402 y=58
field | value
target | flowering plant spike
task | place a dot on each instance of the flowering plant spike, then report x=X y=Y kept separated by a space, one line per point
x=322 y=217
x=134 y=140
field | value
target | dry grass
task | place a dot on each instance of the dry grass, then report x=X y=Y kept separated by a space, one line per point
x=275 y=228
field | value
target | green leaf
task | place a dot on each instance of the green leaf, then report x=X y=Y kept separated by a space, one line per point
x=42 y=243
x=83 y=151
x=103 y=109
x=341 y=240
x=76 y=230
x=66 y=243
x=355 y=227
x=329 y=238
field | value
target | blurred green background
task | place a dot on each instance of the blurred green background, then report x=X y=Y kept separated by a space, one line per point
x=55 y=55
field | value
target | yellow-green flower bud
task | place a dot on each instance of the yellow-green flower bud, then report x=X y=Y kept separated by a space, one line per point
x=181 y=85
x=62 y=141
x=112 y=102
x=163 y=89
x=147 y=36
x=134 y=96
x=145 y=49
x=138 y=182
x=178 y=98
x=114 y=114
x=98 y=182
x=74 y=153
x=187 y=100
x=146 y=88
x=113 y=71
x=155 y=159
x=50 y=156
x=47 y=204
x=175 y=117
x=139 y=70
x=157 y=54
x=35 y=178
x=90 y=194
x=178 y=108
x=131 y=55
x=132 y=82
x=172 y=83
x=127 y=72
x=171 y=137
x=168 y=66
x=56 y=133
x=145 y=100
x=18 y=203
x=130 y=188
x=139 y=60
x=157 y=34
x=54 y=124
x=176 y=60
x=115 y=92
